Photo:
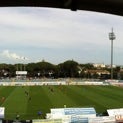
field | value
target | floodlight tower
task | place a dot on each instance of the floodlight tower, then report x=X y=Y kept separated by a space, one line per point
x=112 y=37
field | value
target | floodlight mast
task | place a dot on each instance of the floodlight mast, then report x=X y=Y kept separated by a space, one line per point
x=112 y=37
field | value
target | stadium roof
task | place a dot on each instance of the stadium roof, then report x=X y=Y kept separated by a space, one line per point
x=106 y=6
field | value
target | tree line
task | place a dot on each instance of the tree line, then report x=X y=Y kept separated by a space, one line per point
x=69 y=68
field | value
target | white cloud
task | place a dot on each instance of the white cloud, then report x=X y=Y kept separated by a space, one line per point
x=14 y=56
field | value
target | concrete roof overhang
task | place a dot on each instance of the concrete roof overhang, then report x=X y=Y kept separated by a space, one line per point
x=105 y=6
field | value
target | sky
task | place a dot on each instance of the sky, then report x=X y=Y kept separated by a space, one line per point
x=56 y=35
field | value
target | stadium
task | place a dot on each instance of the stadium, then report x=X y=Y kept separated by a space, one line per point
x=46 y=101
x=62 y=100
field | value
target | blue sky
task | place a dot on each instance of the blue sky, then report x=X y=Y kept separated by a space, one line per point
x=56 y=35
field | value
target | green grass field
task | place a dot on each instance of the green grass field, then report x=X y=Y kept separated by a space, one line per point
x=43 y=98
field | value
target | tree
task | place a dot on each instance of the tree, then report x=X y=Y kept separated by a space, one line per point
x=69 y=69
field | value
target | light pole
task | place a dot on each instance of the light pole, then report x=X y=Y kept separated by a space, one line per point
x=111 y=37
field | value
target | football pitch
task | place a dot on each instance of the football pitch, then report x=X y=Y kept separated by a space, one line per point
x=27 y=101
